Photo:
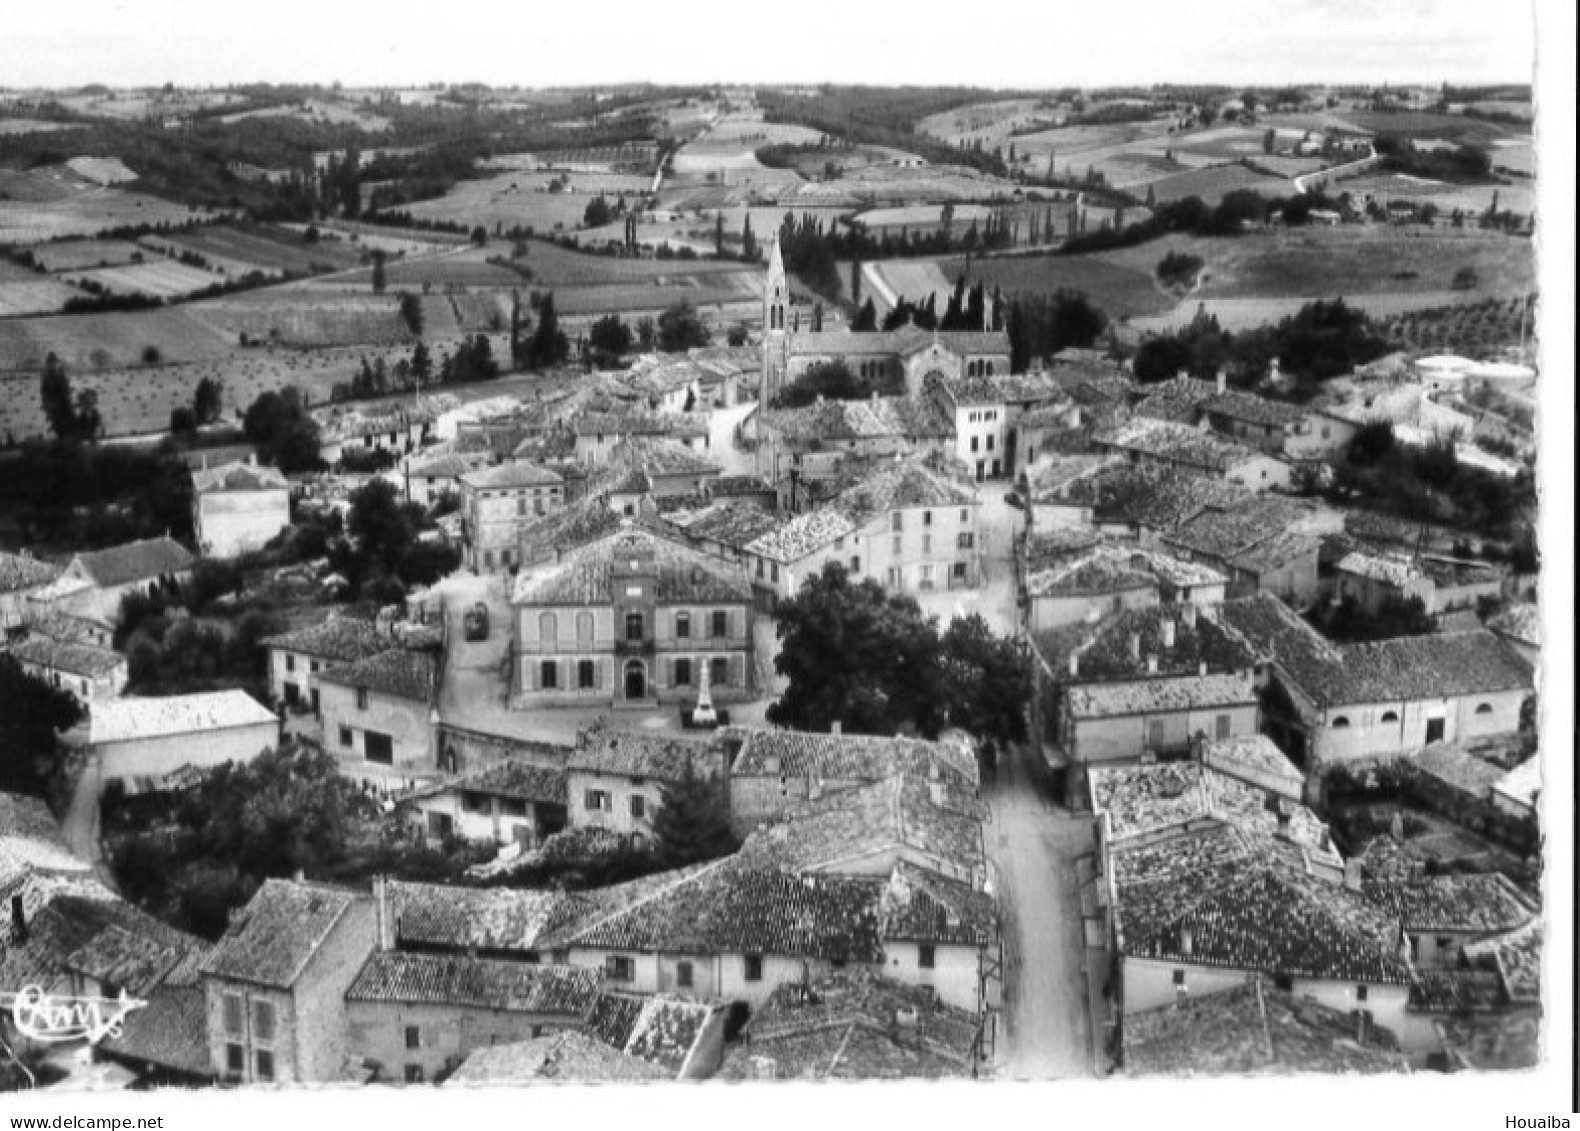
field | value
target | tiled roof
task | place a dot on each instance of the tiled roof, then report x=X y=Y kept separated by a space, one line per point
x=1519 y=622
x=1003 y=388
x=119 y=720
x=846 y=757
x=904 y=341
x=1254 y=1029
x=170 y=1031
x=1255 y=912
x=1255 y=533
x=1251 y=758
x=726 y=486
x=1108 y=568
x=799 y=535
x=1153 y=496
x=77 y=659
x=1104 y=650
x=1449 y=574
x=445 y=917
x=729 y=522
x=451 y=465
x=1455 y=765
x=457 y=981
x=271 y=940
x=660 y=1029
x=340 y=640
x=1048 y=480
x=18 y=571
x=1176 y=443
x=1275 y=553
x=135 y=561
x=1276 y=635
x=1178 y=399
x=1484 y=903
x=584 y=521
x=841 y=829
x=399 y=671
x=1456 y=991
x=1142 y=800
x=849 y=1027
x=675 y=425
x=516 y=779
x=1152 y=696
x=1434 y=666
x=238 y=477
x=636 y=755
x=660 y=456
x=565 y=1057
x=583 y=575
x=94 y=934
x=919 y=905
x=1518 y=955
x=904 y=484
x=1393 y=570
x=31 y=840
x=871 y=419
x=507 y=476
x=1237 y=404
x=726 y=908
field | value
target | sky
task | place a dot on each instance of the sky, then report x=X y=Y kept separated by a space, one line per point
x=1001 y=43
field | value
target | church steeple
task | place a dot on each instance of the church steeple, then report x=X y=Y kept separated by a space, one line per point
x=776 y=303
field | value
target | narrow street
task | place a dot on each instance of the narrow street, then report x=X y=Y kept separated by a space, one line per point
x=1034 y=846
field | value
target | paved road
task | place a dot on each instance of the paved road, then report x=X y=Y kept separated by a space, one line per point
x=1034 y=847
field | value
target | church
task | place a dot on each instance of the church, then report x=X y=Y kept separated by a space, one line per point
x=917 y=355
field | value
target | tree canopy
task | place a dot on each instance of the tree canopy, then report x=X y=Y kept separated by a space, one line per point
x=680 y=328
x=286 y=435
x=34 y=713
x=692 y=821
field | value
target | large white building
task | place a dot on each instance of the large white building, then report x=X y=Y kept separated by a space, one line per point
x=238 y=507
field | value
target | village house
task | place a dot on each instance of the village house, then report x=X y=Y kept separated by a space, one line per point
x=435 y=475
x=1142 y=502
x=1050 y=495
x=88 y=672
x=727 y=375
x=496 y=501
x=510 y=803
x=857 y=1026
x=773 y=773
x=380 y=717
x=1371 y=577
x=93 y=582
x=567 y=1056
x=1380 y=697
x=575 y=524
x=598 y=433
x=297 y=658
x=615 y=779
x=1206 y=912
x=68 y=628
x=1057 y=428
x=276 y=981
x=633 y=619
x=140 y=742
x=1181 y=447
x=1069 y=575
x=413 y=1018
x=511 y=924
x=237 y=508
x=668 y=467
x=1442 y=915
x=917 y=528
x=683 y=1037
x=21 y=575
x=393 y=428
x=1257 y=547
x=985 y=408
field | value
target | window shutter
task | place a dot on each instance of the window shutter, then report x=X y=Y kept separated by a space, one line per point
x=533 y=674
x=666 y=672
x=737 y=670
x=597 y=674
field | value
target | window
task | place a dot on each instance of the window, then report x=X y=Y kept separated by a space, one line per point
x=721 y=623
x=521 y=506
x=965 y=515
x=440 y=825
x=264 y=1060
x=1445 y=943
x=927 y=518
x=262 y=1020
x=927 y=576
x=413 y=1037
x=548 y=675
x=235 y=1060
x=378 y=747
x=773 y=573
x=683 y=975
x=683 y=626
x=595 y=800
x=475 y=803
x=1222 y=727
x=638 y=806
x=345 y=736
x=233 y=1017
x=754 y=967
x=1390 y=716
x=548 y=628
x=719 y=671
x=584 y=626
x=620 y=968
x=897 y=522
x=855 y=565
x=927 y=543
x=290 y=663
x=976 y=444
x=966 y=540
x=586 y=675
x=1360 y=993
x=1434 y=730
x=1179 y=977
x=414 y=1074
x=362 y=699
x=926 y=958
x=1340 y=723
x=313 y=667
x=990 y=443
x=683 y=672
x=760 y=564
x=633 y=626
x=895 y=545
x=512 y=807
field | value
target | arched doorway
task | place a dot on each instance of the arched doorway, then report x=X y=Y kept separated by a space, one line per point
x=635 y=679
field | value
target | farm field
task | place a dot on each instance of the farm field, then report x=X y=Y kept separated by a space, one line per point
x=1236 y=314
x=1120 y=291
x=634 y=158
x=103 y=341
x=295 y=316
x=1421 y=124
x=101 y=170
x=80 y=255
x=37 y=295
x=315 y=110
x=739 y=289
x=1517 y=198
x=161 y=278
x=87 y=213
x=557 y=267
x=991 y=122
x=240 y=248
x=508 y=200
x=1213 y=184
x=17 y=126
x=696 y=232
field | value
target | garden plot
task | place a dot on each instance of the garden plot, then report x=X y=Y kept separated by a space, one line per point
x=160 y=278
x=989 y=122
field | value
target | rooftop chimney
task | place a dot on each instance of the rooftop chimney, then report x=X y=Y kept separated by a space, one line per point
x=1168 y=632
x=18 y=921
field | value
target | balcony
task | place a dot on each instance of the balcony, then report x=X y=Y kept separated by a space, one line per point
x=625 y=647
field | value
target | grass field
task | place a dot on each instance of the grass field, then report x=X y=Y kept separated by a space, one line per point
x=507 y=200
x=1451 y=127
x=103 y=341
x=1236 y=314
x=295 y=316
x=81 y=255
x=85 y=213
x=237 y=249
x=1213 y=184
x=1519 y=198
x=159 y=277
x=38 y=295
x=1120 y=291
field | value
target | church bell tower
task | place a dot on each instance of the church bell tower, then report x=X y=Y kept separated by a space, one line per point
x=776 y=304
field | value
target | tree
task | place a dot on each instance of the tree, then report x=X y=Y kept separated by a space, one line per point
x=738 y=334
x=692 y=821
x=718 y=233
x=421 y=362
x=85 y=406
x=411 y=313
x=646 y=333
x=858 y=656
x=610 y=337
x=55 y=392
x=34 y=713
x=378 y=271
x=680 y=328
x=986 y=684
x=866 y=319
x=285 y=434
x=1269 y=141
x=182 y=420
x=208 y=400
x=548 y=344
x=597 y=213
